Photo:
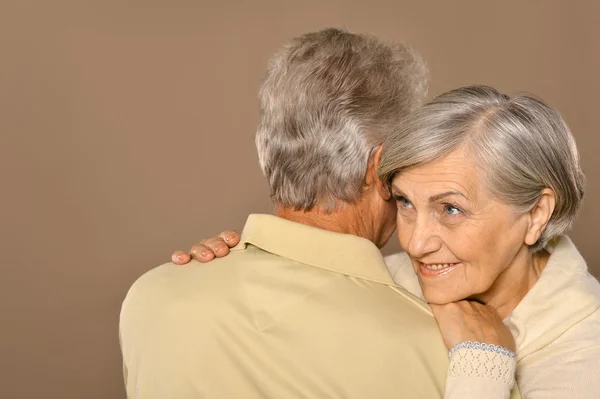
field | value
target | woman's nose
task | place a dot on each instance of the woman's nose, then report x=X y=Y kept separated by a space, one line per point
x=424 y=238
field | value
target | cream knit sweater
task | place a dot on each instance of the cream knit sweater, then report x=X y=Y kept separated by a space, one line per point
x=556 y=329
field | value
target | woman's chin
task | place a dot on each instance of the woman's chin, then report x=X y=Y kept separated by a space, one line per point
x=440 y=298
x=437 y=301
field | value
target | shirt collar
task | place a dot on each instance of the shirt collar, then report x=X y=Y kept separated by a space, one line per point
x=339 y=253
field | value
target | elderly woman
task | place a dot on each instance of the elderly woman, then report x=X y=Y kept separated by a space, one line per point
x=485 y=185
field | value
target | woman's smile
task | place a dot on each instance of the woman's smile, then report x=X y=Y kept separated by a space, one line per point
x=432 y=270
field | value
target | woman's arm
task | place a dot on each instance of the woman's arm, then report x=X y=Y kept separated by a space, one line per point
x=480 y=373
x=482 y=360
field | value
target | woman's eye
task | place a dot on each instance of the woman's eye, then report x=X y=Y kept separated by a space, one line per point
x=403 y=201
x=451 y=210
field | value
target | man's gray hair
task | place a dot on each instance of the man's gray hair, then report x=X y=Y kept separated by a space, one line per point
x=327 y=101
x=520 y=144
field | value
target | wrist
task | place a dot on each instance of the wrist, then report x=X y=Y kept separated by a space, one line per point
x=484 y=362
x=481 y=346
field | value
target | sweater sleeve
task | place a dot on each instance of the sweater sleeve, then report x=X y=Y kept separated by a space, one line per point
x=568 y=375
x=477 y=373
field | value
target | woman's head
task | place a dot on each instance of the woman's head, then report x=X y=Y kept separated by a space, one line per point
x=483 y=182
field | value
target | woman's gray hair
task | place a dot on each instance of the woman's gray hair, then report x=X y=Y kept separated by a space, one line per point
x=520 y=144
x=327 y=100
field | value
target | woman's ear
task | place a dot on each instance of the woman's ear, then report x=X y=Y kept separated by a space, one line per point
x=539 y=216
x=372 y=177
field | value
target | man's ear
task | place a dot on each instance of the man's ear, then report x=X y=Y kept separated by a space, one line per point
x=540 y=215
x=372 y=178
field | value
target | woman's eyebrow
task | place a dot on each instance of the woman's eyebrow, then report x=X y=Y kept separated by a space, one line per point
x=397 y=192
x=438 y=197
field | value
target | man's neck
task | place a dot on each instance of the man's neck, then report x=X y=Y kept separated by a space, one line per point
x=346 y=219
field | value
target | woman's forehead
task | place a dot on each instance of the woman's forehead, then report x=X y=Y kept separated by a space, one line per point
x=456 y=171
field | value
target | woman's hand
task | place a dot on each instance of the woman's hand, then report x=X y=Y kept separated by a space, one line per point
x=208 y=248
x=471 y=321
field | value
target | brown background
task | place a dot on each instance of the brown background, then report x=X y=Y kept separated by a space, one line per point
x=127 y=132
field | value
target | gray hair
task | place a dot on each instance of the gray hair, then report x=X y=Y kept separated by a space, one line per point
x=521 y=145
x=327 y=101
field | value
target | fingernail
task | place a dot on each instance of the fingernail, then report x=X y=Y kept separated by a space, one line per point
x=220 y=247
x=228 y=238
x=204 y=253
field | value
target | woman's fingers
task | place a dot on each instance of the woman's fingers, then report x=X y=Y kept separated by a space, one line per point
x=471 y=321
x=180 y=257
x=202 y=253
x=216 y=245
x=230 y=237
x=208 y=248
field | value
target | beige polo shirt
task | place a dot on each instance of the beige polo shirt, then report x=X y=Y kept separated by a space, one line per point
x=292 y=312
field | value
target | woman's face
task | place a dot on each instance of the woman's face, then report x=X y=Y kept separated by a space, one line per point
x=459 y=238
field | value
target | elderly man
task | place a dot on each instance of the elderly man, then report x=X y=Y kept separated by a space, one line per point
x=305 y=306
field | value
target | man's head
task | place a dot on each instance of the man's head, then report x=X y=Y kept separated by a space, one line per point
x=327 y=102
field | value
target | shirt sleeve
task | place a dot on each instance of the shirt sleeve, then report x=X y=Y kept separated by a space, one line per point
x=477 y=373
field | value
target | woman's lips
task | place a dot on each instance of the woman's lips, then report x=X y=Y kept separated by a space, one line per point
x=431 y=270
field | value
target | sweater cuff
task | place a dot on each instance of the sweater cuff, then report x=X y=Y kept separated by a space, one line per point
x=480 y=373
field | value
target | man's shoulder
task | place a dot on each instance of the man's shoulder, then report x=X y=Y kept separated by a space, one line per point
x=170 y=282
